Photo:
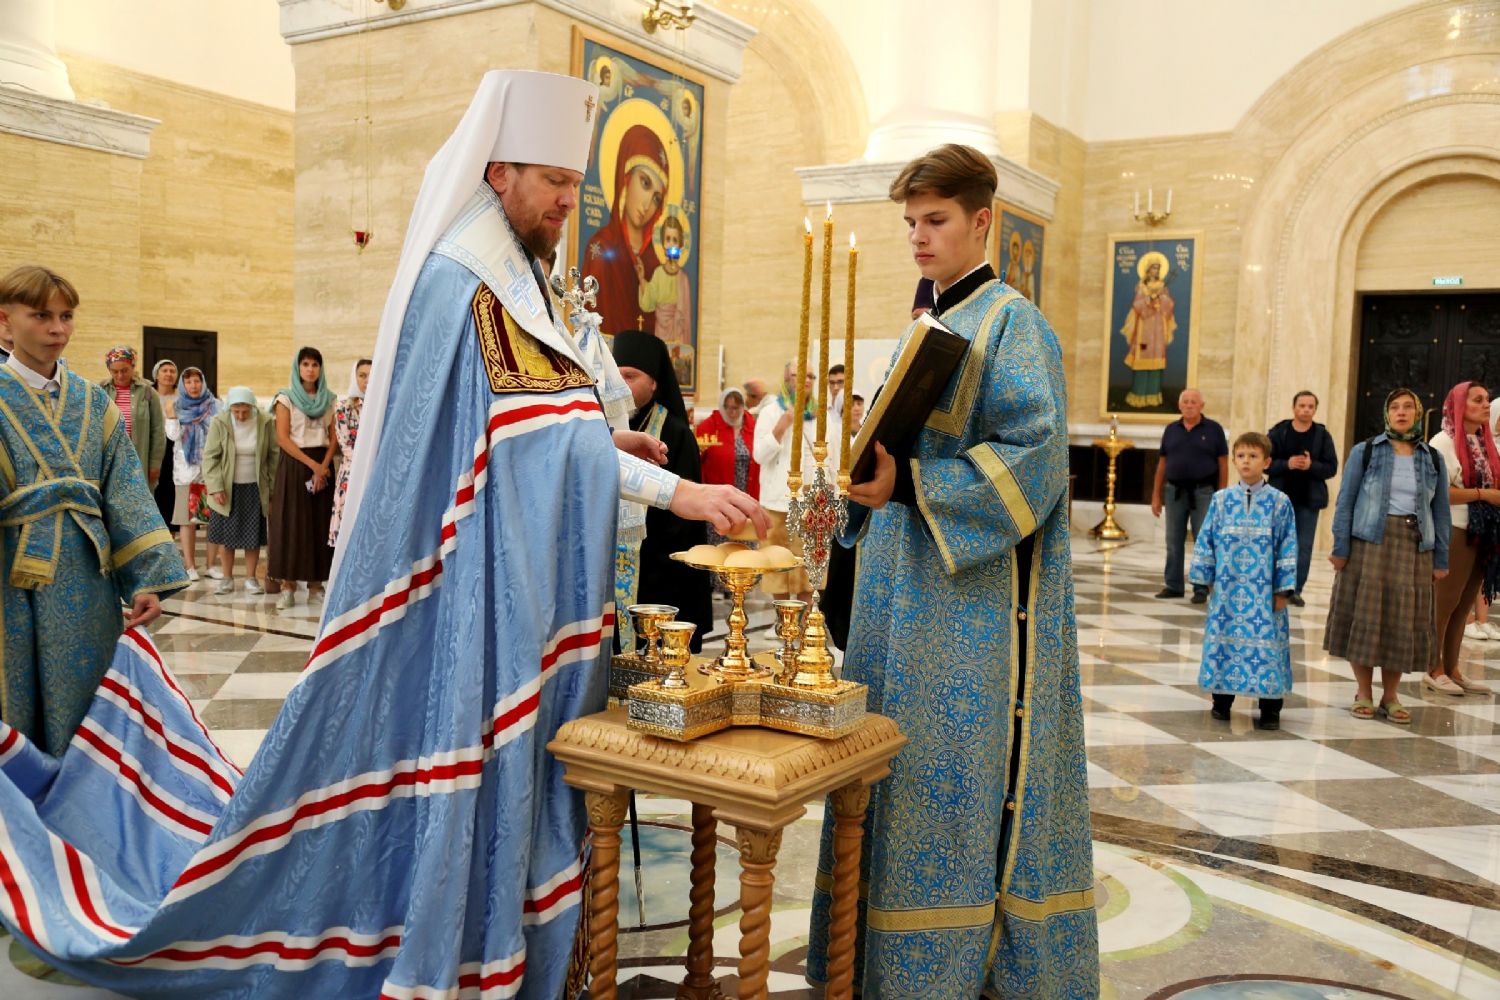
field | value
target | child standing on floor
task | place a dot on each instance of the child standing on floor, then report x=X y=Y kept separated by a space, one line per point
x=1247 y=551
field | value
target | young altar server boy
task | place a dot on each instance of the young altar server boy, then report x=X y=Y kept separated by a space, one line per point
x=1247 y=551
x=82 y=535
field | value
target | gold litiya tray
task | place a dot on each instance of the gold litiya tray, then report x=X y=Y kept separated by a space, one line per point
x=708 y=705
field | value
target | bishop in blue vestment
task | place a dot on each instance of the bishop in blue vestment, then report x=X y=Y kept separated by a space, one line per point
x=403 y=832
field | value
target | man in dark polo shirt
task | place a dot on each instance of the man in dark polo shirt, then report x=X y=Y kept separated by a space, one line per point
x=1303 y=458
x=1194 y=462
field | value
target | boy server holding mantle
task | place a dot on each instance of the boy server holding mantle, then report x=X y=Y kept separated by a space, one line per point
x=977 y=850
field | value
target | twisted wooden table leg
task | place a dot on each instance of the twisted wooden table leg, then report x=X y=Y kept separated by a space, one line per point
x=700 y=983
x=757 y=877
x=606 y=816
x=849 y=804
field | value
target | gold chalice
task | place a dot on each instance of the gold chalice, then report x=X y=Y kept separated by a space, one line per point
x=788 y=630
x=648 y=621
x=676 y=637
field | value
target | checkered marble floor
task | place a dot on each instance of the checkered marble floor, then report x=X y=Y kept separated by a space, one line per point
x=1336 y=857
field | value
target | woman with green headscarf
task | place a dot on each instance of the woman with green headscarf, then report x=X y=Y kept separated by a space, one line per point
x=302 y=499
x=1390 y=543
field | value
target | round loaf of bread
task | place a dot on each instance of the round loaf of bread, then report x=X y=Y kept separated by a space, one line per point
x=778 y=557
x=704 y=555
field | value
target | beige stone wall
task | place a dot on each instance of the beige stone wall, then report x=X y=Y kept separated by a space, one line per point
x=1208 y=195
x=198 y=235
x=78 y=212
x=1446 y=226
x=1264 y=197
x=349 y=177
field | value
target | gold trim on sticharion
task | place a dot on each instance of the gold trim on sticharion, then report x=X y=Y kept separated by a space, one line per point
x=1009 y=861
x=112 y=419
x=7 y=470
x=953 y=420
x=149 y=540
x=1004 y=481
x=936 y=919
x=1062 y=902
x=43 y=469
x=949 y=563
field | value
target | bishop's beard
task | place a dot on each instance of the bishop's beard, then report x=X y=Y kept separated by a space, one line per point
x=538 y=238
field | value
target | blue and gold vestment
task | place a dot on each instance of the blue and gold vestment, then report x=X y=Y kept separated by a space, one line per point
x=1247 y=551
x=976 y=873
x=82 y=536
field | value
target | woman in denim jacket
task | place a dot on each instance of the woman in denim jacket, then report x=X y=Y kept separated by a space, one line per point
x=1390 y=542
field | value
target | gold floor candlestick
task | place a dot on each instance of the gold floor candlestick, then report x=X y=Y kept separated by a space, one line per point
x=1108 y=529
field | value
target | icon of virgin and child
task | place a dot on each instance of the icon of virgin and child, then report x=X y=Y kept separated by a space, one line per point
x=640 y=254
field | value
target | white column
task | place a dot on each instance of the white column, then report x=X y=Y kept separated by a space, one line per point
x=937 y=78
x=28 y=51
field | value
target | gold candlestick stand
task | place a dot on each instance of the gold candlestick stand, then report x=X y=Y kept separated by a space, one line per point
x=794 y=690
x=1108 y=529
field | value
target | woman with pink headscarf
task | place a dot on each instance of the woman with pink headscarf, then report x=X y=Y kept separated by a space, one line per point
x=1468 y=448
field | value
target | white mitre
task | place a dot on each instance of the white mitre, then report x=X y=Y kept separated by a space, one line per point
x=517 y=116
x=543 y=118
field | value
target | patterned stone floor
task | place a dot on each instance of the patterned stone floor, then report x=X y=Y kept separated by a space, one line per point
x=1335 y=858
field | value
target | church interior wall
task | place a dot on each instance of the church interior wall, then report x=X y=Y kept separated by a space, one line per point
x=233 y=49
x=79 y=212
x=198 y=235
x=794 y=105
x=1445 y=226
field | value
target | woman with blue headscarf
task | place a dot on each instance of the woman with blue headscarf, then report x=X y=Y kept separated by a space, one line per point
x=302 y=499
x=192 y=411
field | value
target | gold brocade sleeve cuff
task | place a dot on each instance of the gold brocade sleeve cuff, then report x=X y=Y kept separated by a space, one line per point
x=1004 y=481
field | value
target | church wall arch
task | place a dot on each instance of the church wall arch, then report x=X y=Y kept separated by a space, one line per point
x=798 y=102
x=1301 y=252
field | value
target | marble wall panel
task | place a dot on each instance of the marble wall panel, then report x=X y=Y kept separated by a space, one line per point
x=197 y=235
x=1445 y=226
x=1209 y=190
x=78 y=212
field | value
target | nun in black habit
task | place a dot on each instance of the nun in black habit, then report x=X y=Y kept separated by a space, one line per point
x=660 y=411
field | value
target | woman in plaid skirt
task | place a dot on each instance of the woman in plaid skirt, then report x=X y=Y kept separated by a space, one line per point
x=1390 y=542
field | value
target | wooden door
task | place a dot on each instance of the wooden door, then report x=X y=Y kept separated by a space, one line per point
x=1427 y=343
x=186 y=349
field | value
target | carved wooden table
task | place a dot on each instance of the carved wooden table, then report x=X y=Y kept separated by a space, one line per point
x=757 y=780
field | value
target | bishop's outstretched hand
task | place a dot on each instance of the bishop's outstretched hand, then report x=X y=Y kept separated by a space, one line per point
x=724 y=507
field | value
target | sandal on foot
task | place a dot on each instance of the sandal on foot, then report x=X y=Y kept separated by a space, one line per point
x=1394 y=711
x=1364 y=708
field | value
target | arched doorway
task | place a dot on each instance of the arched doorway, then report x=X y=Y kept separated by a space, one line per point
x=1428 y=302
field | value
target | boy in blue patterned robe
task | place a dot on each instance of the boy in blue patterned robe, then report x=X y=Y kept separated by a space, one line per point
x=1247 y=551
x=977 y=867
x=82 y=534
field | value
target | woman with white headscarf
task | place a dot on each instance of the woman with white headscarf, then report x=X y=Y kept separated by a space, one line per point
x=346 y=429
